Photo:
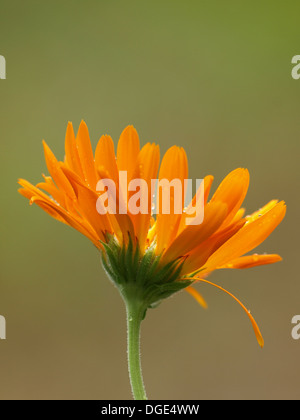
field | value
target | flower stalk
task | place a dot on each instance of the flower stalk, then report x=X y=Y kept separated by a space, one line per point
x=135 y=315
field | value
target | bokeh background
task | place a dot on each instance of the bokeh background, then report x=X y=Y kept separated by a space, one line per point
x=212 y=76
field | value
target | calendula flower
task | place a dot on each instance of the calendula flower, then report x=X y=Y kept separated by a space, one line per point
x=150 y=258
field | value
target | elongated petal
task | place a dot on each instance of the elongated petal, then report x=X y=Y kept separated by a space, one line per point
x=121 y=222
x=51 y=189
x=197 y=296
x=25 y=193
x=152 y=233
x=248 y=238
x=193 y=236
x=203 y=189
x=232 y=191
x=252 y=320
x=71 y=152
x=46 y=203
x=173 y=167
x=262 y=211
x=87 y=199
x=199 y=255
x=56 y=172
x=105 y=157
x=30 y=191
x=253 y=261
x=86 y=156
x=208 y=180
x=146 y=170
x=63 y=216
x=128 y=150
x=238 y=215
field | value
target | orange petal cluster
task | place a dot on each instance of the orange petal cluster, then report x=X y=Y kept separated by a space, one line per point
x=69 y=195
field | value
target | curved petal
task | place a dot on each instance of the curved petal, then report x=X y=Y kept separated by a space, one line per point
x=205 y=189
x=120 y=224
x=128 y=150
x=62 y=215
x=173 y=168
x=87 y=201
x=197 y=296
x=57 y=174
x=250 y=261
x=105 y=157
x=252 y=320
x=30 y=191
x=249 y=237
x=262 y=211
x=51 y=189
x=232 y=191
x=47 y=204
x=198 y=257
x=86 y=156
x=71 y=152
x=193 y=236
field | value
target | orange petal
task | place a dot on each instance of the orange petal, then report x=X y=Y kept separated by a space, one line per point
x=51 y=189
x=208 y=180
x=198 y=257
x=232 y=191
x=248 y=238
x=71 y=152
x=146 y=169
x=25 y=193
x=261 y=211
x=253 y=261
x=239 y=214
x=30 y=191
x=87 y=201
x=120 y=224
x=254 y=324
x=128 y=150
x=56 y=172
x=205 y=189
x=151 y=233
x=61 y=215
x=86 y=156
x=105 y=157
x=193 y=235
x=173 y=167
x=47 y=204
x=196 y=295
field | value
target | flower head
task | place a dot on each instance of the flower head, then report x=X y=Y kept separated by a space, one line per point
x=149 y=258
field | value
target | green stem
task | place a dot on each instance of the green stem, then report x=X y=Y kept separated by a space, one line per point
x=135 y=313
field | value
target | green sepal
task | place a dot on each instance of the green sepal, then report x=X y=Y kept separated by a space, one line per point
x=141 y=277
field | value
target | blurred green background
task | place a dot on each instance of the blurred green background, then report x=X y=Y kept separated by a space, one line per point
x=212 y=76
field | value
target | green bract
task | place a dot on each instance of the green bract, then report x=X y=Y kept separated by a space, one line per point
x=141 y=277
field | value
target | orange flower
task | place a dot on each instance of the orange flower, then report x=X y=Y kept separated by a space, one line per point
x=139 y=249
